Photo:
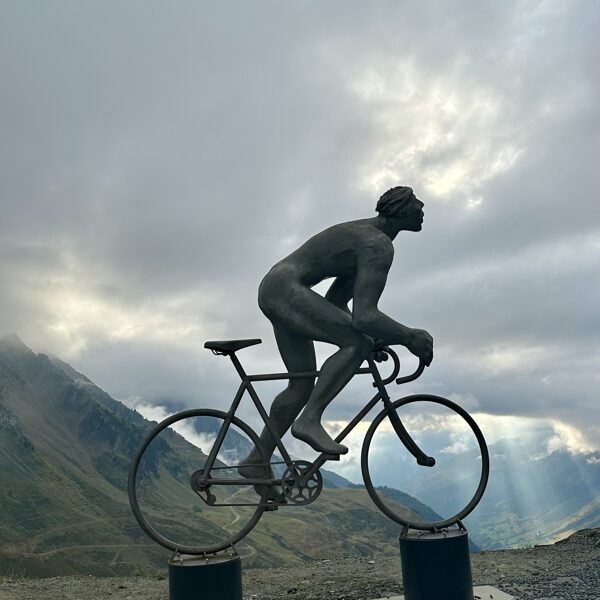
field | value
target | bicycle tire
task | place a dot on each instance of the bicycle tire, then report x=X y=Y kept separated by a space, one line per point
x=485 y=464
x=143 y=521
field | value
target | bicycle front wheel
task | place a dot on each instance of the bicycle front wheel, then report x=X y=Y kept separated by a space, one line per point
x=453 y=486
x=163 y=483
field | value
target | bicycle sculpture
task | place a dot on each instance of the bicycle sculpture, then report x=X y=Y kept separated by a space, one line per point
x=358 y=256
x=301 y=482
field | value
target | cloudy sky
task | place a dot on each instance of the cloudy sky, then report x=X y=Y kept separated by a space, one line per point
x=159 y=158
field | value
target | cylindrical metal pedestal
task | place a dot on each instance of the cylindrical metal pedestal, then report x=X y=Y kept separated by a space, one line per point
x=211 y=578
x=436 y=565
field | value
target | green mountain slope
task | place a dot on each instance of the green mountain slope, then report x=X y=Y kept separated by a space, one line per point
x=65 y=450
x=63 y=463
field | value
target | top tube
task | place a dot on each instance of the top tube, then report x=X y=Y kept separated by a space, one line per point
x=297 y=375
x=361 y=371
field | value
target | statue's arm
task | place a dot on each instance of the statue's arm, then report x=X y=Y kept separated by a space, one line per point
x=340 y=292
x=372 y=271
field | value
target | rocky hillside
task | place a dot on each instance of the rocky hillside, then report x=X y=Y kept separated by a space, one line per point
x=568 y=570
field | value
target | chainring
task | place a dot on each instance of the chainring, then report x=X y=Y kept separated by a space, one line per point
x=299 y=489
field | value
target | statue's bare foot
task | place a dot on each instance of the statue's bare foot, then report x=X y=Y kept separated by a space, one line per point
x=253 y=470
x=315 y=435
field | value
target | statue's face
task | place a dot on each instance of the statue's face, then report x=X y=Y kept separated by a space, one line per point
x=414 y=214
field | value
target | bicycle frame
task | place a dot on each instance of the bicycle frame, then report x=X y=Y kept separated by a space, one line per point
x=379 y=383
x=297 y=478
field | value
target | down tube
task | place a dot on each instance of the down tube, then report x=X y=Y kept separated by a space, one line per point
x=359 y=417
x=324 y=457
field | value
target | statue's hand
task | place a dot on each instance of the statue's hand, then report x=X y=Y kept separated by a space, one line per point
x=379 y=354
x=421 y=345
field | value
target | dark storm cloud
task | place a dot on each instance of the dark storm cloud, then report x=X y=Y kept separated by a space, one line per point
x=160 y=159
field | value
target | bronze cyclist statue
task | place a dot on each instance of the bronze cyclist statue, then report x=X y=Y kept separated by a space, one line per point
x=358 y=256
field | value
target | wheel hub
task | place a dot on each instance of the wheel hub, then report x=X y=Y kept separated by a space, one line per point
x=199 y=483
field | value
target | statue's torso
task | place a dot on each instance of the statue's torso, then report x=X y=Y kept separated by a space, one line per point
x=333 y=252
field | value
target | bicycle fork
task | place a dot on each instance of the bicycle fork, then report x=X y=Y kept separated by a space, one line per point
x=411 y=446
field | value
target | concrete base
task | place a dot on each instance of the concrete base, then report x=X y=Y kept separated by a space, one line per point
x=481 y=592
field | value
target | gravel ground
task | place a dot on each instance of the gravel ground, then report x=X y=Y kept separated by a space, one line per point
x=569 y=570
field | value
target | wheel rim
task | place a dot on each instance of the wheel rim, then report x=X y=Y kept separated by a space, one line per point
x=483 y=479
x=148 y=528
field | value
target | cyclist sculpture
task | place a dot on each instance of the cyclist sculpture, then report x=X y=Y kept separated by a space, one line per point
x=358 y=255
x=213 y=478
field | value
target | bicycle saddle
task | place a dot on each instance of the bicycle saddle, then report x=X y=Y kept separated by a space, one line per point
x=230 y=346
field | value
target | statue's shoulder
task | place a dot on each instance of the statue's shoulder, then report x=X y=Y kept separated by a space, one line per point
x=362 y=228
x=372 y=234
x=364 y=236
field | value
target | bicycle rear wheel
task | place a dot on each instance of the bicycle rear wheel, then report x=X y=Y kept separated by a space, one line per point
x=163 y=490
x=441 y=429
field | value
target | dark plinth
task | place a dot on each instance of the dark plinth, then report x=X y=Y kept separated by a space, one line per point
x=210 y=578
x=436 y=565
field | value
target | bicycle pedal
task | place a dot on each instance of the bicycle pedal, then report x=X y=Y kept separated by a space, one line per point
x=331 y=456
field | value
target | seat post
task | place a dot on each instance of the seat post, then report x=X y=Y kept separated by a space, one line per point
x=238 y=366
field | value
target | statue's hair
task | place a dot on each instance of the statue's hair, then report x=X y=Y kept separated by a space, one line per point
x=393 y=202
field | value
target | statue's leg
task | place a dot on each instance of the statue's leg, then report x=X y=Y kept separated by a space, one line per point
x=336 y=372
x=298 y=354
x=309 y=315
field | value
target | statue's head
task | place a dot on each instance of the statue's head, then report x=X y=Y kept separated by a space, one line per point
x=400 y=202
